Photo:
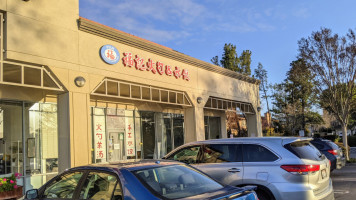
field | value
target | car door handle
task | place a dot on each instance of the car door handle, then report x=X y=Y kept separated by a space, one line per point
x=233 y=170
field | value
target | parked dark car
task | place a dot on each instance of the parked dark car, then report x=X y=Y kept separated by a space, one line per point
x=145 y=179
x=331 y=151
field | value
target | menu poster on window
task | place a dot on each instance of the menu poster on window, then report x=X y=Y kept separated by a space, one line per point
x=99 y=138
x=130 y=137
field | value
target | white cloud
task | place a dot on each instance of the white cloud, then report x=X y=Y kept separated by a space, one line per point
x=173 y=20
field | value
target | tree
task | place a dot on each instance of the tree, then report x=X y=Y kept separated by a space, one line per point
x=301 y=85
x=332 y=60
x=215 y=60
x=285 y=111
x=261 y=74
x=230 y=60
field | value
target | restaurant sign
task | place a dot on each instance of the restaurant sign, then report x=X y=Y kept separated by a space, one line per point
x=154 y=67
x=109 y=54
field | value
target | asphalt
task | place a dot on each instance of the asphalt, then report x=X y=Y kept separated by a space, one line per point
x=353 y=152
x=344 y=182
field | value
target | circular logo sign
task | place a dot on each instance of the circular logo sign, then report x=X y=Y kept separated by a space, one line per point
x=109 y=54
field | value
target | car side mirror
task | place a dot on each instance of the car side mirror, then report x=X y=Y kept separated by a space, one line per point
x=32 y=194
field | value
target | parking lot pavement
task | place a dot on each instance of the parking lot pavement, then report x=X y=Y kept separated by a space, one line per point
x=353 y=152
x=344 y=182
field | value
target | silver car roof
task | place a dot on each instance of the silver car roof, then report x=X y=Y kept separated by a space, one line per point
x=283 y=140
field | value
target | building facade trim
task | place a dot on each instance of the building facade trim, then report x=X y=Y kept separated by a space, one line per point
x=94 y=28
x=134 y=91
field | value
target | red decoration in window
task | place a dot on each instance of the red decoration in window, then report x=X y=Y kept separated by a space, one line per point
x=98 y=127
x=100 y=154
x=177 y=73
x=168 y=70
x=159 y=67
x=100 y=136
x=150 y=66
x=99 y=145
x=127 y=60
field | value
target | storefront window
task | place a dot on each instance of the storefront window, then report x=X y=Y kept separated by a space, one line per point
x=40 y=149
x=120 y=134
x=212 y=127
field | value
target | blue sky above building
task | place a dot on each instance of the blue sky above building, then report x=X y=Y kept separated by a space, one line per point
x=200 y=28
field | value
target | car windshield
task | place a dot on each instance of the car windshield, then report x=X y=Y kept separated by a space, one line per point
x=177 y=181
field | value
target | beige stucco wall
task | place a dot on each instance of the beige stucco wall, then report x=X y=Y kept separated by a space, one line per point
x=45 y=32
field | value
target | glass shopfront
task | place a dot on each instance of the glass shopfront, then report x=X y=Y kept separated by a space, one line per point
x=29 y=139
x=212 y=127
x=120 y=134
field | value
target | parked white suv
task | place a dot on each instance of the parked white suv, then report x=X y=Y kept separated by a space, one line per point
x=281 y=167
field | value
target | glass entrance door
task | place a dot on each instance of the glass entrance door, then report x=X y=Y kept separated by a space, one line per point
x=116 y=146
x=148 y=134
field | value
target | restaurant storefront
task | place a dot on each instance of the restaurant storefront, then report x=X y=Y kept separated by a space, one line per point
x=75 y=92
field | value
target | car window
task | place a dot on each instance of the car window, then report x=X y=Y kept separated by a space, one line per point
x=332 y=145
x=99 y=186
x=217 y=153
x=176 y=181
x=304 y=150
x=63 y=187
x=187 y=155
x=257 y=153
x=318 y=146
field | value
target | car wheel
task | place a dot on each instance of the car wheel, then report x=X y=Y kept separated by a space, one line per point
x=263 y=195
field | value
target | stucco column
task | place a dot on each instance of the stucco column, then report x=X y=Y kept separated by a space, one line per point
x=254 y=128
x=74 y=130
x=64 y=132
x=194 y=124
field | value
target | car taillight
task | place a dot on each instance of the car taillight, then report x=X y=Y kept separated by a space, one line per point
x=332 y=151
x=301 y=169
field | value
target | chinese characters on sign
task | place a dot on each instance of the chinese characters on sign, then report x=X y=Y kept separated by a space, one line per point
x=99 y=138
x=130 y=137
x=156 y=68
x=109 y=54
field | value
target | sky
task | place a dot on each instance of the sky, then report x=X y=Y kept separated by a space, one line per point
x=270 y=29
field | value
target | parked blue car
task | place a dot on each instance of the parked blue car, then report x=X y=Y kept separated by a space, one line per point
x=145 y=179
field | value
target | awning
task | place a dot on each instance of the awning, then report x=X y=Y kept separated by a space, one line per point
x=215 y=103
x=133 y=91
x=25 y=75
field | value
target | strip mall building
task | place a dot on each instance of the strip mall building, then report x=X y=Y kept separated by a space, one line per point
x=74 y=92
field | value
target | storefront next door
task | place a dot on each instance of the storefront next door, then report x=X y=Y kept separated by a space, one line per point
x=120 y=134
x=28 y=141
x=212 y=127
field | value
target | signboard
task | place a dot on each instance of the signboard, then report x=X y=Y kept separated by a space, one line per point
x=130 y=137
x=155 y=67
x=109 y=54
x=99 y=138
